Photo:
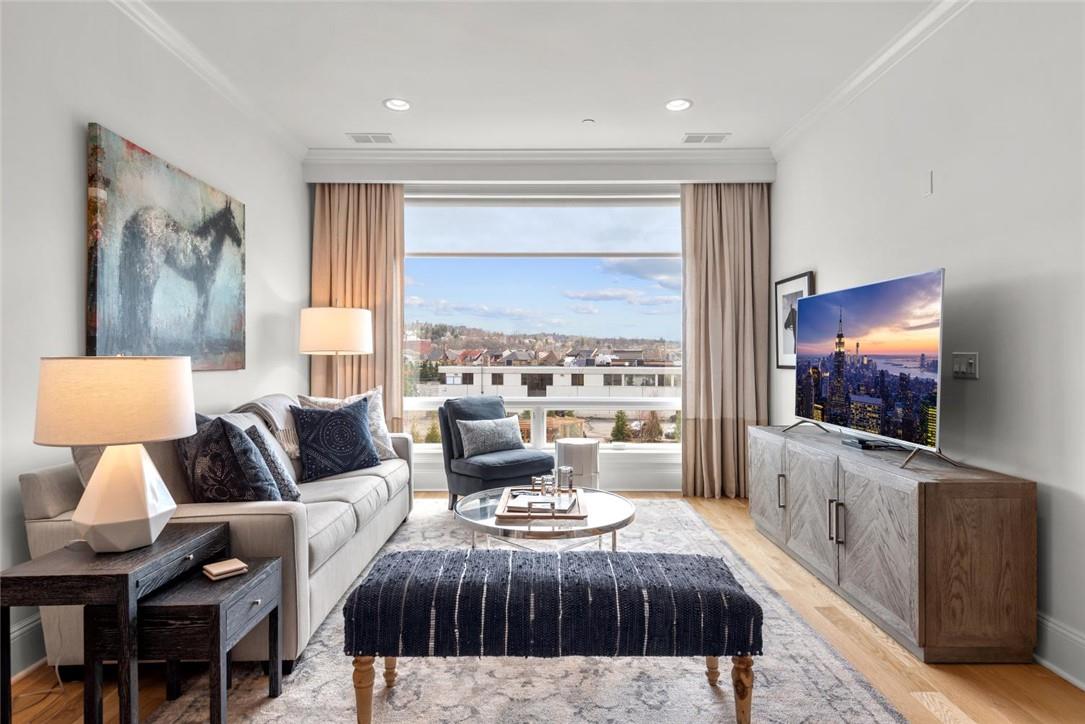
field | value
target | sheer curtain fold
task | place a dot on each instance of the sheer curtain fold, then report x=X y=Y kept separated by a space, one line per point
x=357 y=261
x=725 y=251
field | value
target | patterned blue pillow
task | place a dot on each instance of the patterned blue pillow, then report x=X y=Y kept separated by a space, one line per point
x=288 y=489
x=334 y=441
x=224 y=466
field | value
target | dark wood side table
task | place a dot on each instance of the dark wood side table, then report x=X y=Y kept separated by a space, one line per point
x=198 y=619
x=76 y=575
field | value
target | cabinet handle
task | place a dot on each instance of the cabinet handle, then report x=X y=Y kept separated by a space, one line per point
x=832 y=502
x=839 y=538
x=190 y=556
x=256 y=601
x=779 y=491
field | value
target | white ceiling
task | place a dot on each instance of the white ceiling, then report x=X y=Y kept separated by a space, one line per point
x=523 y=75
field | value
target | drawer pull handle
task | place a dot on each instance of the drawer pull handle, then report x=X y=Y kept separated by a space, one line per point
x=832 y=504
x=780 y=491
x=190 y=557
x=839 y=536
x=257 y=601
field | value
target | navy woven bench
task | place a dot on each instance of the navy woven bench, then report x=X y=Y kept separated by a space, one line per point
x=515 y=603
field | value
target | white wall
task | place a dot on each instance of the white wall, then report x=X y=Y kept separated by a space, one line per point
x=993 y=104
x=66 y=65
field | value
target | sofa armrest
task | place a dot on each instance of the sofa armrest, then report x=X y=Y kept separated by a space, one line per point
x=48 y=492
x=267 y=530
x=404 y=447
x=403 y=444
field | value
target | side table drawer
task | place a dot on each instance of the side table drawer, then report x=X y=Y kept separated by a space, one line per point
x=177 y=566
x=252 y=605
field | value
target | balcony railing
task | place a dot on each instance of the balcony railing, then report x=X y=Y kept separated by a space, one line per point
x=538 y=407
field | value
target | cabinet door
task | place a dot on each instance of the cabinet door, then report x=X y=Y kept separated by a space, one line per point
x=768 y=497
x=879 y=556
x=811 y=484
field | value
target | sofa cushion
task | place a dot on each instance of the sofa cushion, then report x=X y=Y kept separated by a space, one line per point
x=366 y=494
x=396 y=474
x=168 y=462
x=334 y=441
x=274 y=411
x=331 y=524
x=378 y=428
x=505 y=464
x=284 y=478
x=223 y=464
x=245 y=420
x=486 y=436
x=163 y=455
x=479 y=407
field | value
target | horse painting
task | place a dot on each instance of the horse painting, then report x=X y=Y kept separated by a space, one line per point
x=166 y=254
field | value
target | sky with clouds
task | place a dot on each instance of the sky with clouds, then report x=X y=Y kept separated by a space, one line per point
x=595 y=297
x=897 y=317
x=590 y=296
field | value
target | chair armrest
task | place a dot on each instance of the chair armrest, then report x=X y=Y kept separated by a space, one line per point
x=48 y=492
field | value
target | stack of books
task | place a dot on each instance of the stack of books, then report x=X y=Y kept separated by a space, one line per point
x=225 y=569
x=519 y=504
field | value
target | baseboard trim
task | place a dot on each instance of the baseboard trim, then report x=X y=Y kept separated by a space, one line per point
x=1061 y=649
x=27 y=645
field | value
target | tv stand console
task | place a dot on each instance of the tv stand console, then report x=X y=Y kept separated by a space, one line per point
x=941 y=558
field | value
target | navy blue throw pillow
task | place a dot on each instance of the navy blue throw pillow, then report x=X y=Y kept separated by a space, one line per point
x=334 y=441
x=288 y=489
x=224 y=466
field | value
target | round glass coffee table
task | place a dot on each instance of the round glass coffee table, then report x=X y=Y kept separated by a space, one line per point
x=607 y=513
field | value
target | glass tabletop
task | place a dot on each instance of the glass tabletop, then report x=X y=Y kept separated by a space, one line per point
x=606 y=512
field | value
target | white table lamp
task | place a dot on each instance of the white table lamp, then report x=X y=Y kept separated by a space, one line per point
x=118 y=402
x=336 y=331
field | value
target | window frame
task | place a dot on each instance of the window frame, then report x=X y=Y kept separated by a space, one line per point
x=506 y=195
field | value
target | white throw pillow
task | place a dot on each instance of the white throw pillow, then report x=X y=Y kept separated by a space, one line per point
x=484 y=436
x=378 y=428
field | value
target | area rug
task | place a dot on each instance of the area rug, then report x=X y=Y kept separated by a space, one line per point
x=799 y=679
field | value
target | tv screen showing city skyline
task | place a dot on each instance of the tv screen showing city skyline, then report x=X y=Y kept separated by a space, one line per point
x=868 y=358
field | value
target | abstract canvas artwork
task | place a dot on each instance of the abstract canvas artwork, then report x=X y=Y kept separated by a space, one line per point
x=165 y=259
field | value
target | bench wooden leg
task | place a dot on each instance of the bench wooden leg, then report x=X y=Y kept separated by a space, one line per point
x=389 y=671
x=713 y=670
x=363 y=688
x=742 y=679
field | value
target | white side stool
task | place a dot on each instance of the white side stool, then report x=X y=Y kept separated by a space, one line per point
x=582 y=455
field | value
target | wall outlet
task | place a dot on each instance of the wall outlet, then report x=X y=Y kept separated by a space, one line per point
x=966 y=365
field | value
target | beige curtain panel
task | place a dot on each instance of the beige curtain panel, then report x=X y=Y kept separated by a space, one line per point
x=725 y=254
x=358 y=261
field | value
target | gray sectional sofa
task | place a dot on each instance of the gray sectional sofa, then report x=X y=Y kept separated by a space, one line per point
x=325 y=540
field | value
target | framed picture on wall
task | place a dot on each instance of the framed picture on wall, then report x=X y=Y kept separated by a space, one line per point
x=788 y=293
x=165 y=259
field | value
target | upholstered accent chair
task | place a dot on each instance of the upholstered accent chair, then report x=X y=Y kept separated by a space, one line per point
x=499 y=469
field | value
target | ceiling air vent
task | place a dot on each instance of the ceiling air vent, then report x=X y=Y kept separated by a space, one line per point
x=371 y=138
x=702 y=138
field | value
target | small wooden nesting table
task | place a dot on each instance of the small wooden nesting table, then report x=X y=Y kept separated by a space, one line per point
x=75 y=575
x=200 y=619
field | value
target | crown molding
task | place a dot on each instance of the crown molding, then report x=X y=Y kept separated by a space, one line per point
x=563 y=165
x=935 y=17
x=186 y=51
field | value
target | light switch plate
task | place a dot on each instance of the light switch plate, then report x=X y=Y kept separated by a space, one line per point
x=966 y=365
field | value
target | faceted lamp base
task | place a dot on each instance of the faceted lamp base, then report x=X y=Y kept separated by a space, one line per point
x=126 y=504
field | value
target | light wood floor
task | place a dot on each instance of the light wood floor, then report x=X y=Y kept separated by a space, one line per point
x=924 y=693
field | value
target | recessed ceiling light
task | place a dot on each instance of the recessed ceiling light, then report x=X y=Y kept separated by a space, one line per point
x=396 y=104
x=678 y=104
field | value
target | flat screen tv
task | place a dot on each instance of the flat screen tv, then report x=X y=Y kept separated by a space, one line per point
x=869 y=357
